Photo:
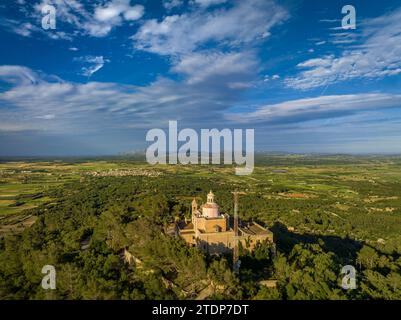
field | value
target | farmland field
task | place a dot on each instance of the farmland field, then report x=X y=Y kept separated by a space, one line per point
x=325 y=212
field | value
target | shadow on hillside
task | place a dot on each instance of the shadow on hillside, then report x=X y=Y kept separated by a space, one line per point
x=345 y=248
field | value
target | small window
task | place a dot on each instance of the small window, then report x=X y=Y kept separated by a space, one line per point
x=217 y=228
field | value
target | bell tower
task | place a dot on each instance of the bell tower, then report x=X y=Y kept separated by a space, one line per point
x=210 y=197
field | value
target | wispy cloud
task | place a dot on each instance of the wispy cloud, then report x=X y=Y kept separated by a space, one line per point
x=229 y=67
x=182 y=34
x=171 y=4
x=213 y=78
x=209 y=44
x=207 y=3
x=18 y=75
x=376 y=56
x=322 y=107
x=95 y=19
x=106 y=105
x=42 y=107
x=99 y=106
x=216 y=61
x=95 y=64
x=114 y=10
x=101 y=20
x=28 y=29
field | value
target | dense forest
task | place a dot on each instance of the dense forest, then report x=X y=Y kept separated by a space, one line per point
x=85 y=228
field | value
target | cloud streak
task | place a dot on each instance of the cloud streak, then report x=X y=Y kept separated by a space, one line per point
x=317 y=108
x=98 y=106
x=39 y=108
x=375 y=57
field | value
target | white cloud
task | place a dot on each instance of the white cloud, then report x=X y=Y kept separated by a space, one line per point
x=344 y=38
x=27 y=29
x=114 y=9
x=107 y=13
x=240 y=85
x=15 y=127
x=267 y=78
x=96 y=106
x=135 y=13
x=207 y=3
x=109 y=114
x=46 y=117
x=233 y=62
x=24 y=29
x=180 y=34
x=110 y=15
x=96 y=63
x=183 y=37
x=18 y=75
x=202 y=66
x=171 y=4
x=94 y=19
x=319 y=108
x=377 y=56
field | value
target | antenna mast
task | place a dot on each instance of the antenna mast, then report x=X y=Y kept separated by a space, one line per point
x=235 y=253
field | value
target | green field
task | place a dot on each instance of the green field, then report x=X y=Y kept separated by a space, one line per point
x=325 y=212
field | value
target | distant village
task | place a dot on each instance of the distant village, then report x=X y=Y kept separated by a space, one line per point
x=125 y=173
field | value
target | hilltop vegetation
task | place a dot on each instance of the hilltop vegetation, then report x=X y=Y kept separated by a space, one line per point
x=325 y=212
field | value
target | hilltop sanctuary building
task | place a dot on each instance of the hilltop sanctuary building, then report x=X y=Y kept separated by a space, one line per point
x=213 y=232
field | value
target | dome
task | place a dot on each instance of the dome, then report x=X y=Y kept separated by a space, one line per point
x=210 y=209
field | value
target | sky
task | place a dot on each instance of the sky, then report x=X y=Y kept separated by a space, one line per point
x=113 y=69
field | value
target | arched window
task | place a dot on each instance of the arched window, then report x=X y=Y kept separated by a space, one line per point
x=217 y=228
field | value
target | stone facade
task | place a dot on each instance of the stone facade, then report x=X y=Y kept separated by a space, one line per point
x=212 y=231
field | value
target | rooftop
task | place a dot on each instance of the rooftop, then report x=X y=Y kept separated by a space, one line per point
x=254 y=229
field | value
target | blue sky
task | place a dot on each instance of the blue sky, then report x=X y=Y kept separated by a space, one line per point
x=113 y=69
